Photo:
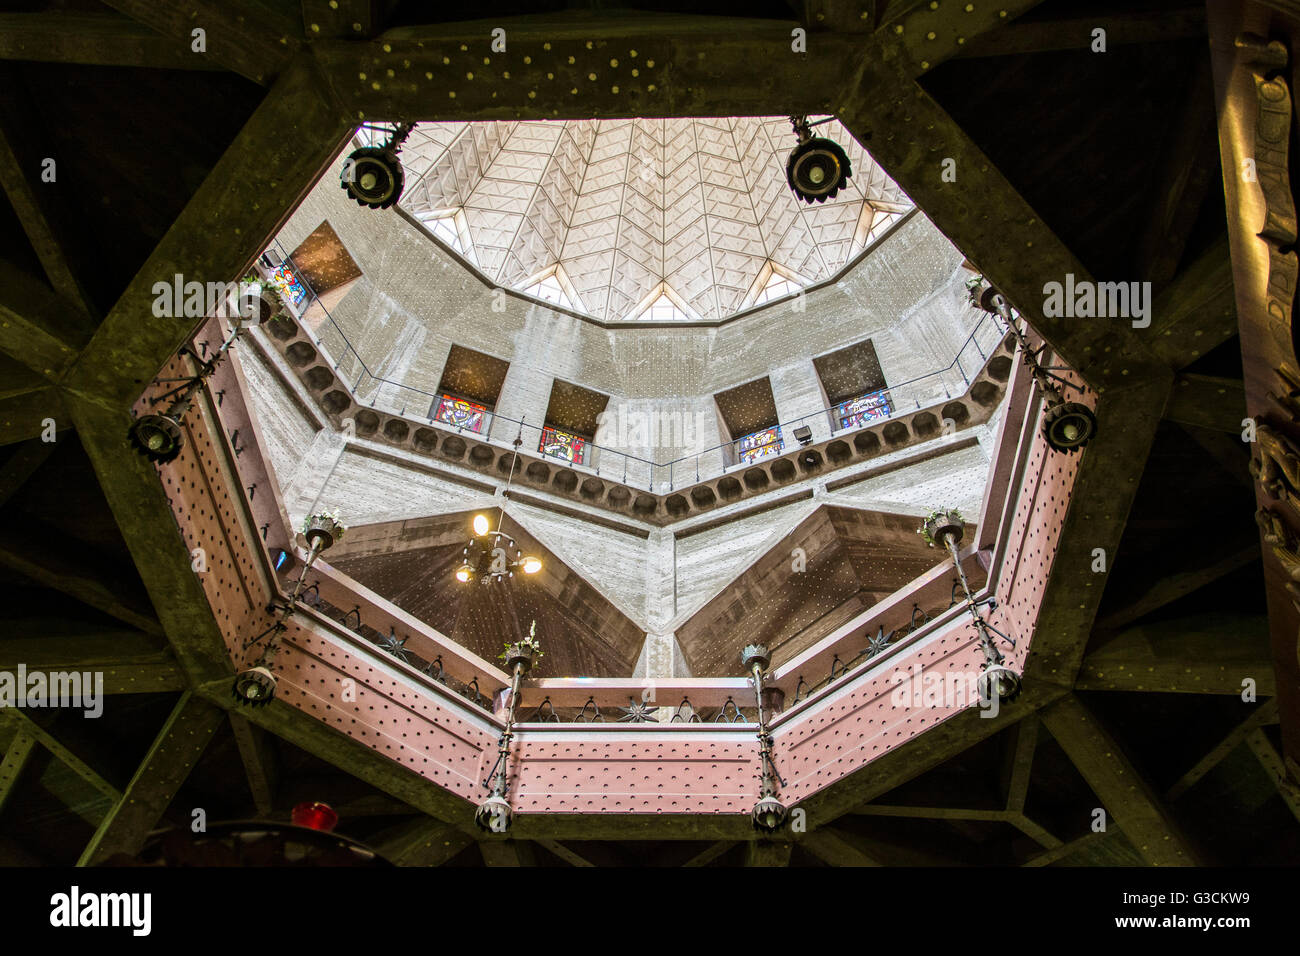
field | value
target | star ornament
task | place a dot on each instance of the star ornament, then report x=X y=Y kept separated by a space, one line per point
x=637 y=712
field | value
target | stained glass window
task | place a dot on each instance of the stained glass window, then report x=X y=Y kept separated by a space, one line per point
x=461 y=414
x=562 y=444
x=759 y=444
x=289 y=284
x=865 y=408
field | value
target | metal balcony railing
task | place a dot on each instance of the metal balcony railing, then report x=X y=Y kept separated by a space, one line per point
x=382 y=393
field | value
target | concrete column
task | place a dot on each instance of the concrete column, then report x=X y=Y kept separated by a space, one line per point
x=307 y=483
x=660 y=579
x=798 y=391
x=524 y=395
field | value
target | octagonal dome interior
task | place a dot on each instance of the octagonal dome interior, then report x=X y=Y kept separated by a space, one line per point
x=625 y=219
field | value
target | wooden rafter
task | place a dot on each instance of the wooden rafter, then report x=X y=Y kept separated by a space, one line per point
x=51 y=743
x=33 y=213
x=1265 y=713
x=94 y=39
x=1123 y=792
x=248 y=39
x=171 y=756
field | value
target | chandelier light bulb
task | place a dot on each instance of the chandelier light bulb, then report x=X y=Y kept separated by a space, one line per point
x=532 y=565
x=463 y=573
x=480 y=525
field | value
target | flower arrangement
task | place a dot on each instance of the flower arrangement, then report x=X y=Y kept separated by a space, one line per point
x=324 y=522
x=528 y=647
x=938 y=524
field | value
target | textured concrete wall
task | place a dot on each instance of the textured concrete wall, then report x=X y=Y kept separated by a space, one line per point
x=415 y=300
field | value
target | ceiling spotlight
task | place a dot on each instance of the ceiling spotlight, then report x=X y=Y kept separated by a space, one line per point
x=493 y=815
x=481 y=525
x=1068 y=426
x=532 y=565
x=158 y=437
x=373 y=175
x=769 y=813
x=1000 y=681
x=818 y=168
x=255 y=686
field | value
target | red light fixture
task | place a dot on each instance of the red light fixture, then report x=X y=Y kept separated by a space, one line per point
x=315 y=816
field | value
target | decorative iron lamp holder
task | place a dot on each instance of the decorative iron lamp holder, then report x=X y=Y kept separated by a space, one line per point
x=945 y=528
x=494 y=813
x=372 y=175
x=158 y=435
x=1067 y=426
x=769 y=812
x=255 y=685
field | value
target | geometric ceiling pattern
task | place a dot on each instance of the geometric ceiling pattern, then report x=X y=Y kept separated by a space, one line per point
x=612 y=217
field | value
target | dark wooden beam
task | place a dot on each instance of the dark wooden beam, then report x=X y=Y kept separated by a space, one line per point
x=1100 y=500
x=1116 y=782
x=1228 y=451
x=140 y=507
x=422 y=842
x=37 y=327
x=93 y=39
x=501 y=852
x=22 y=464
x=260 y=764
x=841 y=16
x=1175 y=586
x=1265 y=713
x=921 y=753
x=1021 y=763
x=51 y=743
x=710 y=853
x=1066 y=850
x=921 y=34
x=768 y=852
x=911 y=136
x=685 y=66
x=130 y=662
x=173 y=754
x=1190 y=164
x=259 y=180
x=1196 y=312
x=837 y=847
x=15 y=759
x=34 y=214
x=1270 y=760
x=1208 y=401
x=1204 y=654
x=1160 y=26
x=336 y=19
x=564 y=853
x=61 y=572
x=24 y=417
x=241 y=36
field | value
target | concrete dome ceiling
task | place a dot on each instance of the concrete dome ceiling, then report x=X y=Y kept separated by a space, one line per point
x=611 y=217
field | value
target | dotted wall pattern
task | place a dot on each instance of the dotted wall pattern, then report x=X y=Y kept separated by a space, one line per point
x=639 y=771
x=860 y=722
x=636 y=772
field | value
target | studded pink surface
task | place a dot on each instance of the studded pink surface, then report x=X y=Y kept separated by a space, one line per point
x=345 y=682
